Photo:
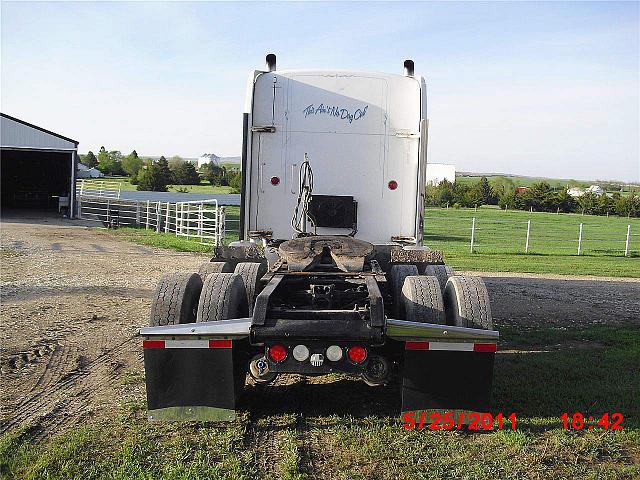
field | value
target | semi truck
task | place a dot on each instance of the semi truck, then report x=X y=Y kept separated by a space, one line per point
x=330 y=273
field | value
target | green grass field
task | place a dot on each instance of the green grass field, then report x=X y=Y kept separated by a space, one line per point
x=353 y=431
x=204 y=187
x=500 y=238
x=499 y=243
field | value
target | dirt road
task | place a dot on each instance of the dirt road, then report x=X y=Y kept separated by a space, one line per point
x=72 y=301
x=74 y=297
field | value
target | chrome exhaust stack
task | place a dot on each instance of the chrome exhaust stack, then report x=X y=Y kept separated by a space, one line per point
x=271 y=62
x=408 y=68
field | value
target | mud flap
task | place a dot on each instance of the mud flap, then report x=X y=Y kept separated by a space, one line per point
x=441 y=376
x=193 y=379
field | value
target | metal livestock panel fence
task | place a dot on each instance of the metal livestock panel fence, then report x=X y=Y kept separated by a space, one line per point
x=98 y=188
x=201 y=220
x=621 y=238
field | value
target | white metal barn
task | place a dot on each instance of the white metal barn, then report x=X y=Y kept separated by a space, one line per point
x=437 y=172
x=88 y=172
x=38 y=167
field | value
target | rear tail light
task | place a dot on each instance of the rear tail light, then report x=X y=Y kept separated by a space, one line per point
x=277 y=353
x=357 y=354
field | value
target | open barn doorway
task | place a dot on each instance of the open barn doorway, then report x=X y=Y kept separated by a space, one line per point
x=38 y=180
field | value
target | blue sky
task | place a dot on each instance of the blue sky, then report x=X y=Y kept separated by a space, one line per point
x=546 y=89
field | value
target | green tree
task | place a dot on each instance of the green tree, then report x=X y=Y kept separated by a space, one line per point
x=175 y=162
x=154 y=176
x=605 y=205
x=214 y=174
x=235 y=181
x=628 y=206
x=186 y=174
x=482 y=193
x=110 y=163
x=89 y=159
x=539 y=197
x=502 y=185
x=163 y=169
x=588 y=203
x=131 y=164
x=508 y=200
x=103 y=155
x=562 y=201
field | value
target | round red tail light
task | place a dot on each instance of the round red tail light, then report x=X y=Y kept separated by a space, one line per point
x=277 y=353
x=275 y=181
x=357 y=354
x=393 y=185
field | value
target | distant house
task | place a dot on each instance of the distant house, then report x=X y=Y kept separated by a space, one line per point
x=437 y=172
x=575 y=192
x=521 y=189
x=208 y=158
x=596 y=190
x=88 y=172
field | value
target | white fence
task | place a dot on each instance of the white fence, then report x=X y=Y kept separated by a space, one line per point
x=619 y=237
x=98 y=188
x=201 y=220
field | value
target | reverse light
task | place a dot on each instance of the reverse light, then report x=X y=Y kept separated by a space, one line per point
x=301 y=353
x=334 y=353
x=357 y=354
x=277 y=353
x=393 y=185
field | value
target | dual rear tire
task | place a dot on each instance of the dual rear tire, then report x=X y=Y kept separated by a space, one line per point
x=217 y=292
x=441 y=298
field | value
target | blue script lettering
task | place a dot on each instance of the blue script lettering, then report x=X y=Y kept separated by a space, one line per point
x=335 y=111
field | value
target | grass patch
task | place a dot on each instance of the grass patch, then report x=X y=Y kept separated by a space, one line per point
x=540 y=374
x=151 y=238
x=543 y=373
x=500 y=237
x=204 y=187
x=500 y=246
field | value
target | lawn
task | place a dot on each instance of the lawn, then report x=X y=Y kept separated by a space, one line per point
x=499 y=241
x=204 y=187
x=347 y=430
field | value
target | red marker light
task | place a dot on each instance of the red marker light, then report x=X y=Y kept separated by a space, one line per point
x=393 y=185
x=277 y=353
x=357 y=354
x=275 y=181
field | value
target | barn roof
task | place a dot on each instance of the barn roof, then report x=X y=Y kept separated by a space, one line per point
x=16 y=133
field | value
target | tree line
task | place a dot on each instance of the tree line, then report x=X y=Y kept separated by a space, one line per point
x=540 y=197
x=156 y=176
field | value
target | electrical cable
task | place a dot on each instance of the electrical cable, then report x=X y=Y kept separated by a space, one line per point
x=305 y=191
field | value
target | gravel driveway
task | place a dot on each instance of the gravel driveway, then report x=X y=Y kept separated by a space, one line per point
x=73 y=298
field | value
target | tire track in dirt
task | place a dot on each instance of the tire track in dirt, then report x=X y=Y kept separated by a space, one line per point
x=56 y=363
x=74 y=385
